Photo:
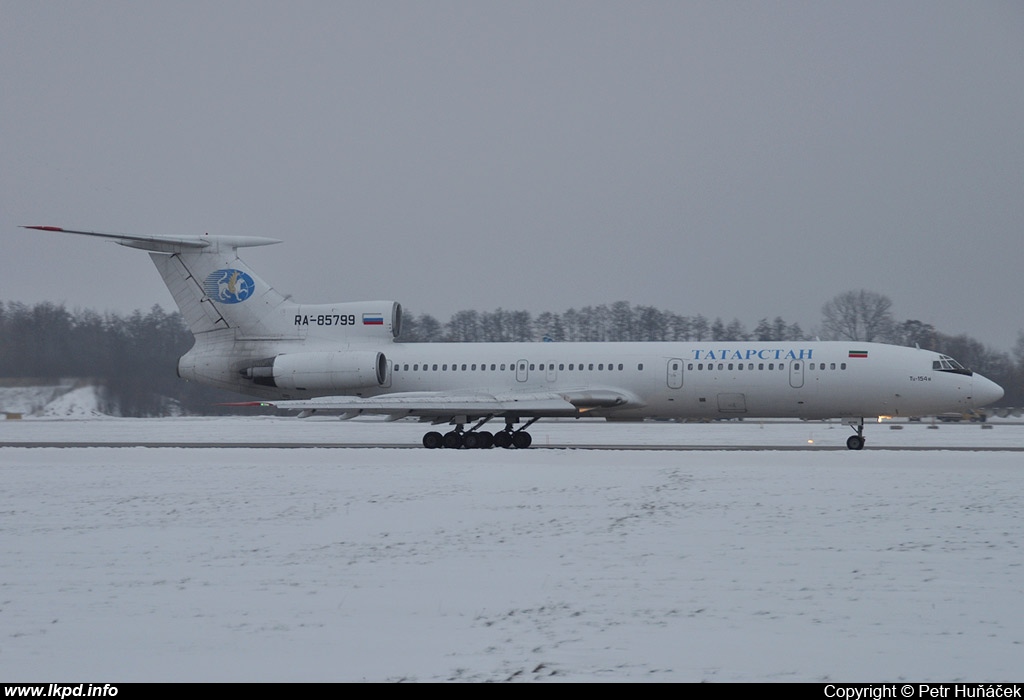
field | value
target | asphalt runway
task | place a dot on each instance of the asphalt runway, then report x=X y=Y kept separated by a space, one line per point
x=375 y=446
x=331 y=434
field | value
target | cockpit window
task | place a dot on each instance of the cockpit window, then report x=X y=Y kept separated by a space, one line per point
x=945 y=363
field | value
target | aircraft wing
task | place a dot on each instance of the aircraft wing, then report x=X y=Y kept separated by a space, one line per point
x=443 y=404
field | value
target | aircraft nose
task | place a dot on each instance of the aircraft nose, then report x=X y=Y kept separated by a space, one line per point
x=985 y=391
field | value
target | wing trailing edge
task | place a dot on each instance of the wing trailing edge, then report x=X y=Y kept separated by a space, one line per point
x=426 y=404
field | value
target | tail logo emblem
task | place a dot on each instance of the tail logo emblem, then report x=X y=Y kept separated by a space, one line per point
x=228 y=286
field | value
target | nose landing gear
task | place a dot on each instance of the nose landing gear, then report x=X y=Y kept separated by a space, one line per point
x=856 y=442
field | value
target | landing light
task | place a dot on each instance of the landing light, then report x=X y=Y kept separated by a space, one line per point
x=882 y=419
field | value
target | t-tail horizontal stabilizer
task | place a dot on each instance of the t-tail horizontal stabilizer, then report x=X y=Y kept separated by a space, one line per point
x=167 y=244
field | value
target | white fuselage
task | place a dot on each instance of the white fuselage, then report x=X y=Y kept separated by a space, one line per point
x=804 y=379
x=703 y=380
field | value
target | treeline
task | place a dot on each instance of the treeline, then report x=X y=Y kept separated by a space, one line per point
x=605 y=323
x=133 y=359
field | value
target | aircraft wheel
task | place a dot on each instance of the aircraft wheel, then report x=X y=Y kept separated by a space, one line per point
x=453 y=440
x=855 y=442
x=486 y=440
x=472 y=441
x=503 y=439
x=432 y=440
x=521 y=440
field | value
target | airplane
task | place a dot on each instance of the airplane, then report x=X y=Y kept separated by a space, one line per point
x=343 y=359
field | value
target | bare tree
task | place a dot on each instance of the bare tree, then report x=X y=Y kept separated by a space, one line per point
x=549 y=325
x=463 y=327
x=1018 y=350
x=914 y=332
x=650 y=324
x=858 y=315
x=699 y=328
x=736 y=331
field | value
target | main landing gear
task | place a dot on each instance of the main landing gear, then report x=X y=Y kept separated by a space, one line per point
x=856 y=442
x=475 y=439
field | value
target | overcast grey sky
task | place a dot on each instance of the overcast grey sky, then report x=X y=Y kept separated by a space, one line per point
x=732 y=159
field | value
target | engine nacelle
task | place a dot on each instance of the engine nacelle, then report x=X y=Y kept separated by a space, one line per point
x=328 y=372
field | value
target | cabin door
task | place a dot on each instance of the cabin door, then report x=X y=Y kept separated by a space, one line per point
x=675 y=373
x=796 y=374
x=552 y=373
x=522 y=374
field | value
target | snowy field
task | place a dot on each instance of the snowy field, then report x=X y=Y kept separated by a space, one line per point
x=557 y=565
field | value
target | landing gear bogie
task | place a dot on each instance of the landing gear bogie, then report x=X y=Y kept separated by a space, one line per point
x=477 y=440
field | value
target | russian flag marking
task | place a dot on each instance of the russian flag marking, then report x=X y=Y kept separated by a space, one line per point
x=373 y=320
x=859 y=353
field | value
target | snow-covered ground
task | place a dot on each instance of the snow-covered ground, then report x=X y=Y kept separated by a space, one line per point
x=305 y=564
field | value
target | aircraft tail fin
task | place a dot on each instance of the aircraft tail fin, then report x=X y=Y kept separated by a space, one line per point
x=215 y=290
x=209 y=281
